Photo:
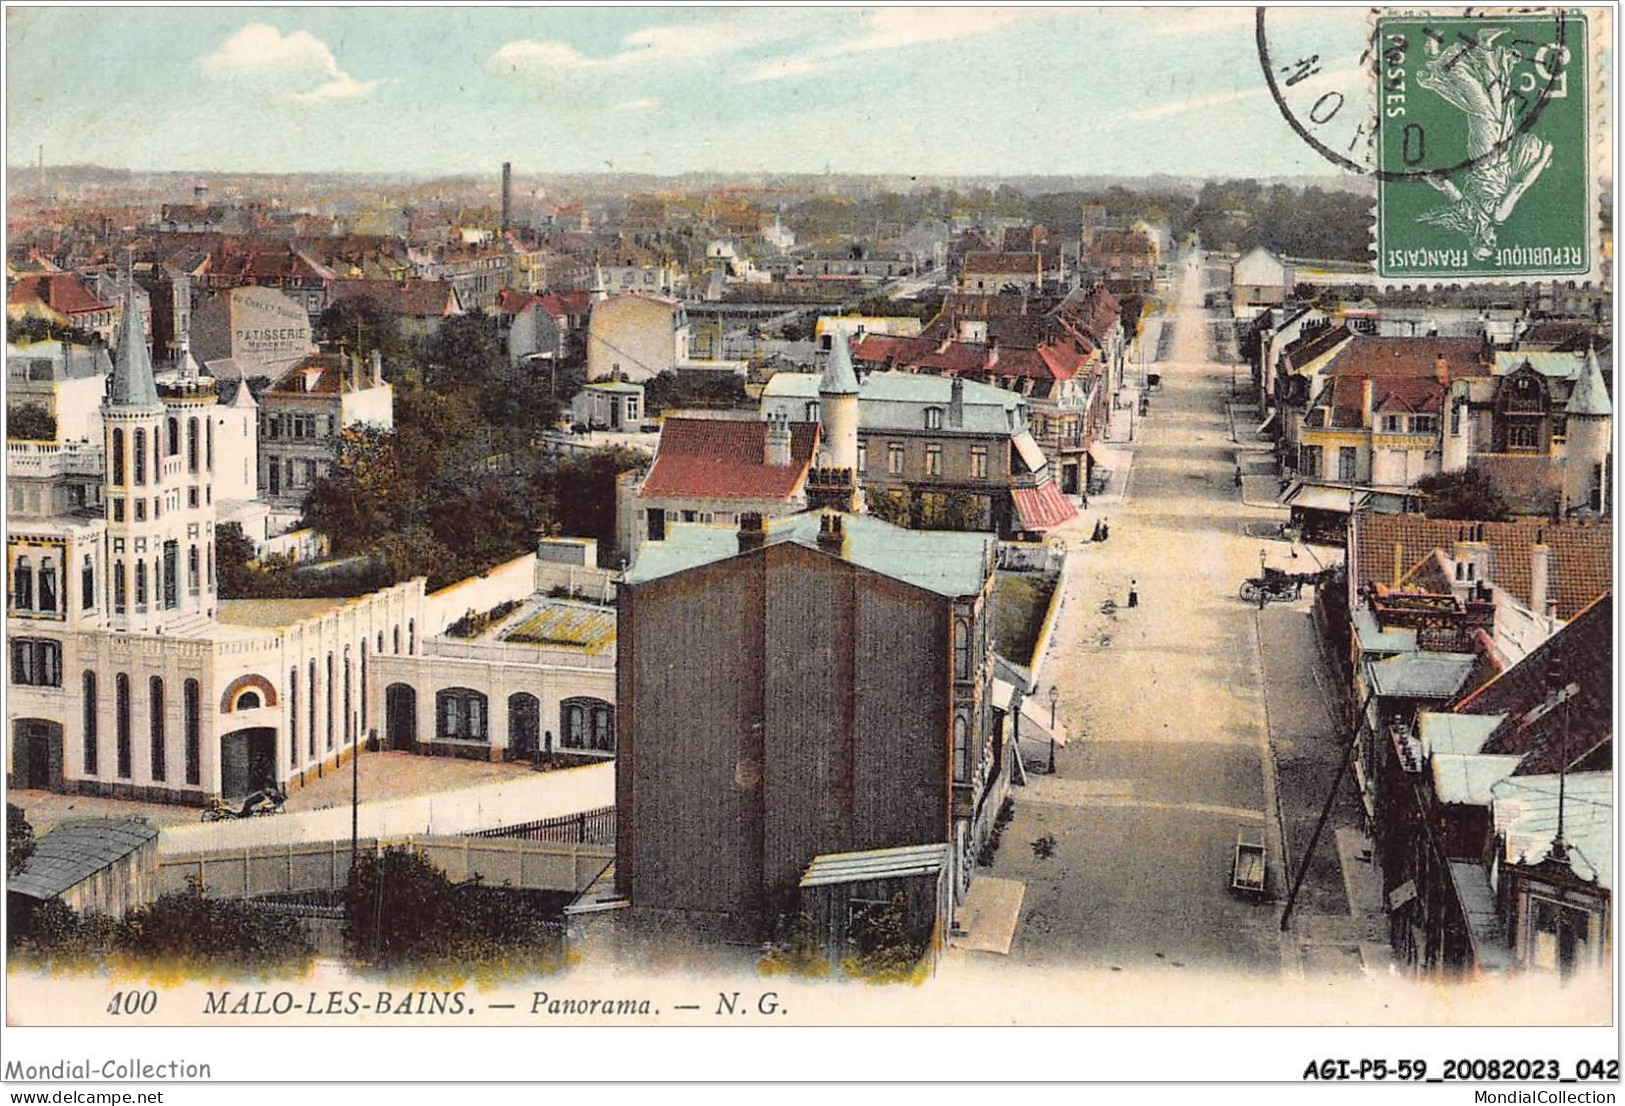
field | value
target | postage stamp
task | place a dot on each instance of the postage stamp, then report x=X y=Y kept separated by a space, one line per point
x=1483 y=146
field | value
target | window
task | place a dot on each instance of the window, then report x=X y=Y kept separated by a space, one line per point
x=47 y=585
x=863 y=455
x=962 y=650
x=1523 y=436
x=155 y=711
x=22 y=584
x=87 y=583
x=894 y=458
x=194 y=741
x=89 y=697
x=330 y=700
x=1424 y=424
x=363 y=687
x=397 y=636
x=140 y=448
x=933 y=460
x=118 y=509
x=587 y=724
x=411 y=635
x=349 y=720
x=118 y=456
x=141 y=510
x=191 y=446
x=1559 y=937
x=174 y=436
x=119 y=587
x=1309 y=460
x=810 y=411
x=961 y=749
x=36 y=663
x=293 y=718
x=121 y=694
x=1348 y=461
x=248 y=700
x=1455 y=419
x=311 y=710
x=461 y=715
x=1393 y=424
x=933 y=418
x=141 y=585
x=978 y=462
x=172 y=590
x=191 y=496
x=192 y=570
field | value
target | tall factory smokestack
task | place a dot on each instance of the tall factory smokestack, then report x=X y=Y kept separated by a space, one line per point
x=507 y=193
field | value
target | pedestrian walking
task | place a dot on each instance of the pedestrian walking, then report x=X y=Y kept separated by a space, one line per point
x=1105 y=529
x=1133 y=595
x=1098 y=534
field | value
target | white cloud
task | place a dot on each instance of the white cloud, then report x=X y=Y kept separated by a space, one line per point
x=894 y=29
x=645 y=103
x=671 y=45
x=259 y=52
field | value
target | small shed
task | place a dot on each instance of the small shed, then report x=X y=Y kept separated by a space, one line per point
x=100 y=866
x=838 y=888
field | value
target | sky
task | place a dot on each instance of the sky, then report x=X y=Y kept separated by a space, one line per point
x=930 y=91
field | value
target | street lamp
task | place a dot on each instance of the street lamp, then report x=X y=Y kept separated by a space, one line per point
x=1054 y=697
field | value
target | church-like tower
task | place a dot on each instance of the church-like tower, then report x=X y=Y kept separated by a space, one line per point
x=158 y=488
x=835 y=483
x=1590 y=438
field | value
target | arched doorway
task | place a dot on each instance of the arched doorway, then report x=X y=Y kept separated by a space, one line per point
x=36 y=754
x=401 y=717
x=524 y=724
x=247 y=761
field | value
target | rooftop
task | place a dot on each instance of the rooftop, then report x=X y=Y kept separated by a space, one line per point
x=946 y=563
x=899 y=863
x=273 y=613
x=75 y=851
x=726 y=459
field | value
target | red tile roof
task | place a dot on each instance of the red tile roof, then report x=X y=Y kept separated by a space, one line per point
x=1024 y=264
x=1584 y=653
x=335 y=375
x=1042 y=508
x=1049 y=361
x=418 y=299
x=726 y=459
x=564 y=304
x=1414 y=357
x=1582 y=556
x=61 y=292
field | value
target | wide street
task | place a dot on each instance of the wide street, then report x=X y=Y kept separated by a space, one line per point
x=1170 y=707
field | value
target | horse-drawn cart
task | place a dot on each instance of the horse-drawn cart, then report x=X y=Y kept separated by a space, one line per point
x=1248 y=868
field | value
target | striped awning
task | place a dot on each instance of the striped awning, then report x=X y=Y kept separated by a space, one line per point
x=1042 y=508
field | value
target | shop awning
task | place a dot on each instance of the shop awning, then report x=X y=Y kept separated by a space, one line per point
x=1320 y=497
x=1042 y=508
x=1034 y=722
x=1031 y=455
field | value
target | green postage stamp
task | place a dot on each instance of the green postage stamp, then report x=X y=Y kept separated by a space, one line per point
x=1484 y=147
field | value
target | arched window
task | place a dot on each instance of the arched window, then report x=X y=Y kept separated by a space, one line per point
x=47 y=585
x=194 y=738
x=157 y=458
x=411 y=636
x=588 y=724
x=330 y=700
x=87 y=583
x=380 y=641
x=174 y=435
x=460 y=715
x=192 y=570
x=310 y=711
x=349 y=719
x=91 y=744
x=293 y=718
x=140 y=585
x=22 y=584
x=962 y=650
x=248 y=700
x=191 y=445
x=208 y=446
x=933 y=418
x=363 y=686
x=397 y=640
x=139 y=448
x=121 y=704
x=118 y=456
x=155 y=711
x=119 y=587
x=961 y=749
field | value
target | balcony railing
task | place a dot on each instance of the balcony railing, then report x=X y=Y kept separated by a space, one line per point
x=43 y=459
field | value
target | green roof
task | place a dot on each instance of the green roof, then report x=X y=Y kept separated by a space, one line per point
x=1564 y=366
x=1456 y=733
x=945 y=562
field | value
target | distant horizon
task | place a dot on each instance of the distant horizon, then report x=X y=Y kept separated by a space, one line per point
x=998 y=93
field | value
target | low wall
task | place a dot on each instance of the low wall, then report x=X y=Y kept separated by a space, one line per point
x=515 y=580
x=527 y=797
x=325 y=865
x=594 y=584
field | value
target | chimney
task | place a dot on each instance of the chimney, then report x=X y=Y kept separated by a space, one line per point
x=507 y=193
x=1367 y=396
x=956 y=403
x=377 y=369
x=1399 y=562
x=1441 y=369
x=1540 y=577
x=831 y=534
x=752 y=534
x=992 y=351
x=778 y=441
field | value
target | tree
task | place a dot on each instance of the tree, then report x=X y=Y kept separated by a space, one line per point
x=19 y=839
x=954 y=510
x=1470 y=494
x=363 y=325
x=892 y=507
x=233 y=551
x=364 y=493
x=29 y=422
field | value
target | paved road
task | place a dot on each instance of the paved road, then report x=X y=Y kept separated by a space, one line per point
x=1167 y=708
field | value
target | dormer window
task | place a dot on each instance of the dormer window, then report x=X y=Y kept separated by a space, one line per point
x=933 y=418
